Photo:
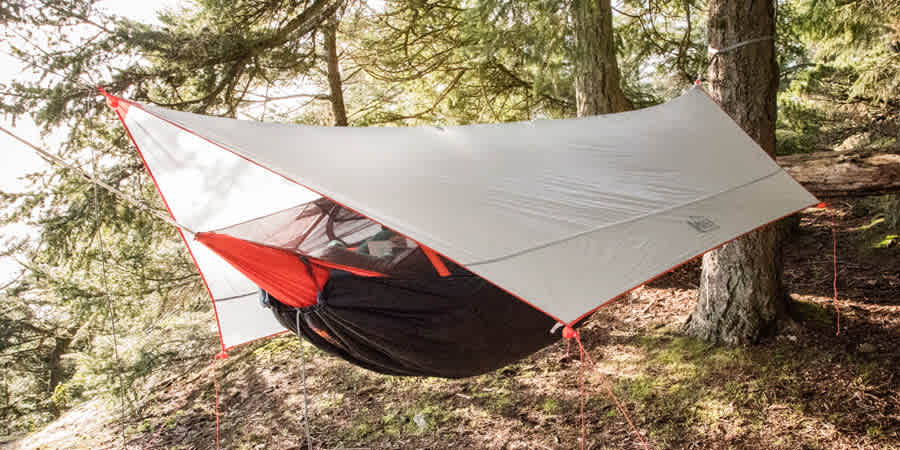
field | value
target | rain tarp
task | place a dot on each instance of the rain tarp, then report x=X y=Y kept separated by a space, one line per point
x=563 y=214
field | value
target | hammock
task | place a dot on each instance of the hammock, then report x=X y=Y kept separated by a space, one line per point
x=523 y=225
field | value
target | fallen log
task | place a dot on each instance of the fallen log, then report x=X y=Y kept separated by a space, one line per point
x=849 y=173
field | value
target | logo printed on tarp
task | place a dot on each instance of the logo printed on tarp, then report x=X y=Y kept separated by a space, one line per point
x=702 y=224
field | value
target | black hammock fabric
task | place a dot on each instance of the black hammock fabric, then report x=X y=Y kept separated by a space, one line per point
x=450 y=327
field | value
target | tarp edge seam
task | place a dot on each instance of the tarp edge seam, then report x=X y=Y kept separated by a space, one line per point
x=621 y=222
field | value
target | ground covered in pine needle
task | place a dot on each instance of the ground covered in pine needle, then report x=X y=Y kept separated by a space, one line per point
x=805 y=388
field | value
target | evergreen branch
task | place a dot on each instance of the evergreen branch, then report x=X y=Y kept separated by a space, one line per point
x=301 y=25
x=529 y=85
x=72 y=14
x=50 y=157
x=434 y=106
x=266 y=98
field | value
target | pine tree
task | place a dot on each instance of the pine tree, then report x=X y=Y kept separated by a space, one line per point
x=741 y=296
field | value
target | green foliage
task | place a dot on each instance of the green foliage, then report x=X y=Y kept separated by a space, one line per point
x=854 y=38
x=404 y=62
x=811 y=312
x=883 y=231
x=496 y=61
x=61 y=397
x=550 y=406
x=96 y=262
x=799 y=125
x=281 y=345
x=397 y=422
x=838 y=70
x=890 y=240
x=662 y=47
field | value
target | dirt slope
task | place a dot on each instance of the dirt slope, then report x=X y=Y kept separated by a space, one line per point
x=805 y=388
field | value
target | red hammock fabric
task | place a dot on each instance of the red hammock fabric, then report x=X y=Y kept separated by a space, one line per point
x=279 y=272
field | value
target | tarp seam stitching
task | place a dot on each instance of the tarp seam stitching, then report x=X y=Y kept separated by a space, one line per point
x=621 y=222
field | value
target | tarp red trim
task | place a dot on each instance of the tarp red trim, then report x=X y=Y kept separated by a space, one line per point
x=119 y=105
x=223 y=147
x=121 y=108
x=676 y=266
x=450 y=259
x=279 y=272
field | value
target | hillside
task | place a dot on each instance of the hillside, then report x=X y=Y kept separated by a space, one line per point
x=805 y=388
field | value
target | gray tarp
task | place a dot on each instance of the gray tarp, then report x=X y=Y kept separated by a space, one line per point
x=565 y=214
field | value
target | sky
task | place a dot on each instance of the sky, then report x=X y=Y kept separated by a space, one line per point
x=17 y=159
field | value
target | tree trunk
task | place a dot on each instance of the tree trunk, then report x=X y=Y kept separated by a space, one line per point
x=851 y=173
x=741 y=294
x=334 y=73
x=61 y=346
x=597 y=78
x=6 y=411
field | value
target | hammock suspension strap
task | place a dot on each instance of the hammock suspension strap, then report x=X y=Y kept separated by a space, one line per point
x=715 y=52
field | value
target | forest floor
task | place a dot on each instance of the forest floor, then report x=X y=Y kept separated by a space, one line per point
x=804 y=388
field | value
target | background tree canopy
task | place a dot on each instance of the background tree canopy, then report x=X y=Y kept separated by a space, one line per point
x=95 y=262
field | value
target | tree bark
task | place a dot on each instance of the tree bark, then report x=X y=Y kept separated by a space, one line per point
x=335 y=83
x=741 y=293
x=851 y=173
x=597 y=78
x=61 y=346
